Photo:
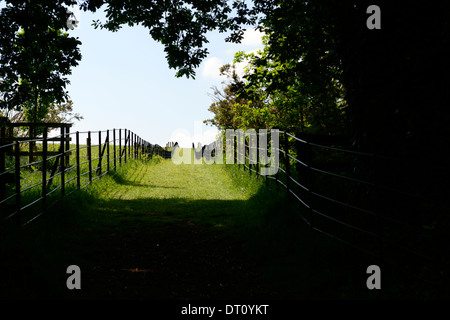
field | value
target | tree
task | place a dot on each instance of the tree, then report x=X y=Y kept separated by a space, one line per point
x=272 y=94
x=57 y=113
x=181 y=26
x=388 y=74
x=299 y=102
x=231 y=110
x=36 y=55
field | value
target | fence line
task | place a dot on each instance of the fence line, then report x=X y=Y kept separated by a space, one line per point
x=343 y=204
x=59 y=168
x=387 y=223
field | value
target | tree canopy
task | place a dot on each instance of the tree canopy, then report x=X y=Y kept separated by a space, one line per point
x=181 y=26
x=255 y=102
x=387 y=75
x=36 y=55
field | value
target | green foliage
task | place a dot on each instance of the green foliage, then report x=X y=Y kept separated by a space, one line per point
x=55 y=113
x=229 y=108
x=298 y=72
x=274 y=95
x=179 y=25
x=36 y=55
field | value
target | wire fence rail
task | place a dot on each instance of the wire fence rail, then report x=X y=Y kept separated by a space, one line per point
x=359 y=199
x=32 y=179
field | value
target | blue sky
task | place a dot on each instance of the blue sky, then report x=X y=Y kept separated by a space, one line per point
x=123 y=81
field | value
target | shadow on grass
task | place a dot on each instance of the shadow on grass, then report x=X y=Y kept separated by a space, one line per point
x=265 y=233
x=121 y=180
x=262 y=231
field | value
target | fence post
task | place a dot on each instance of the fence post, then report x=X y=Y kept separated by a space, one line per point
x=99 y=168
x=17 y=179
x=134 y=146
x=63 y=162
x=114 y=146
x=125 y=145
x=44 y=171
x=89 y=151
x=107 y=150
x=120 y=147
x=67 y=134
x=77 y=147
x=130 y=146
x=138 y=147
x=130 y=142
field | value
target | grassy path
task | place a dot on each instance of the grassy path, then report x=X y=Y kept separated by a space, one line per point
x=153 y=231
x=166 y=231
x=201 y=195
x=166 y=236
x=174 y=193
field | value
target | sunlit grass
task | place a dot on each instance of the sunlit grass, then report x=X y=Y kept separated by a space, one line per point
x=168 y=193
x=91 y=169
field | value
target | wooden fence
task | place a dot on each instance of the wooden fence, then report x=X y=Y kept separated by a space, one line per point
x=7 y=135
x=34 y=178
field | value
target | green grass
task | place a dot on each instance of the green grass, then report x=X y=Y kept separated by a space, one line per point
x=294 y=260
x=155 y=192
x=31 y=175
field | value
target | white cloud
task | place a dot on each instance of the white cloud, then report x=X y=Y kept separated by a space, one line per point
x=240 y=68
x=211 y=68
x=252 y=37
x=251 y=43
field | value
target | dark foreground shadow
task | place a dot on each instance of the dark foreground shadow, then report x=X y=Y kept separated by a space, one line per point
x=134 y=249
x=180 y=249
